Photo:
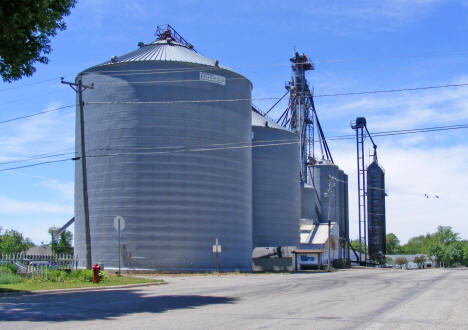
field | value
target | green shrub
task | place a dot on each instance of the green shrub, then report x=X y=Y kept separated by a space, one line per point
x=8 y=277
x=81 y=275
x=340 y=263
x=10 y=267
x=401 y=261
x=103 y=276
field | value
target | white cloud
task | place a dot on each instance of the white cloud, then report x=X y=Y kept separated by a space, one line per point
x=395 y=111
x=10 y=206
x=384 y=15
x=411 y=173
x=53 y=131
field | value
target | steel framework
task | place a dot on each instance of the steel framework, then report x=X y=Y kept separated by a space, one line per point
x=300 y=115
x=166 y=31
x=360 y=126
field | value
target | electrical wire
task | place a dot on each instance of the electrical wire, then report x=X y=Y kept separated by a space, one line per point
x=35 y=158
x=357 y=59
x=36 y=164
x=175 y=70
x=392 y=90
x=225 y=146
x=152 y=153
x=56 y=154
x=36 y=114
x=27 y=85
x=276 y=98
x=402 y=132
x=239 y=99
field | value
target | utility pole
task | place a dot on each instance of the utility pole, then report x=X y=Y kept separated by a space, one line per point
x=78 y=87
x=329 y=221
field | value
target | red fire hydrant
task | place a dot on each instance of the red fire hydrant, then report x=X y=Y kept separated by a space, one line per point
x=96 y=270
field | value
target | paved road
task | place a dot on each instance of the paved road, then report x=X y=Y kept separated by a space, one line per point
x=416 y=299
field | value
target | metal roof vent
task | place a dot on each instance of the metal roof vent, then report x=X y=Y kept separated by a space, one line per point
x=114 y=59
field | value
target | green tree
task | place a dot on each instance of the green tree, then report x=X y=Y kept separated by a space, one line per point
x=420 y=260
x=63 y=244
x=440 y=252
x=455 y=254
x=465 y=253
x=357 y=248
x=401 y=261
x=25 y=27
x=392 y=244
x=445 y=235
x=13 y=242
x=417 y=245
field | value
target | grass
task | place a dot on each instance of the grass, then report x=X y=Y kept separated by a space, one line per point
x=10 y=282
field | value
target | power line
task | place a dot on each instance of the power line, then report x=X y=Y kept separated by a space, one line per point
x=35 y=158
x=217 y=145
x=403 y=132
x=392 y=90
x=27 y=85
x=36 y=114
x=240 y=99
x=201 y=149
x=152 y=153
x=286 y=63
x=236 y=145
x=36 y=164
x=56 y=154
x=175 y=70
x=276 y=98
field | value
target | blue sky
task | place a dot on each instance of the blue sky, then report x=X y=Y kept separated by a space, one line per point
x=355 y=45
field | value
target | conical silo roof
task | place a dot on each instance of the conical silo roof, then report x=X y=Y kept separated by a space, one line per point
x=167 y=51
x=162 y=50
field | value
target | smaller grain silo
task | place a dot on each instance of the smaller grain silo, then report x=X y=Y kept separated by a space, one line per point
x=321 y=173
x=376 y=211
x=276 y=184
x=310 y=204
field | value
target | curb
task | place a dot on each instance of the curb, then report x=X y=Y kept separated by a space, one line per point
x=86 y=289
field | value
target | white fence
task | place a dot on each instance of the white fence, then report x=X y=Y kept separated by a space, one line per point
x=30 y=264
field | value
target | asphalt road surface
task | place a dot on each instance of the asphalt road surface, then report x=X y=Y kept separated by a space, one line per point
x=370 y=299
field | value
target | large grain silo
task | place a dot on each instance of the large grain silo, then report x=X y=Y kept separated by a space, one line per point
x=376 y=211
x=276 y=184
x=168 y=135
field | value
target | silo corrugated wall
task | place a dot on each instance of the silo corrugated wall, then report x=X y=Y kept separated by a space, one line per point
x=320 y=173
x=276 y=187
x=150 y=163
x=310 y=204
x=376 y=212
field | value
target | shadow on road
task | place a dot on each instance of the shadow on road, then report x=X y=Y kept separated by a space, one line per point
x=81 y=306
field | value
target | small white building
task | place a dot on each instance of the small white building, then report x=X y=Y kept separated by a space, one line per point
x=430 y=261
x=314 y=237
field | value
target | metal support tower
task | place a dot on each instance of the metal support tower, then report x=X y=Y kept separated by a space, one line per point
x=300 y=115
x=360 y=126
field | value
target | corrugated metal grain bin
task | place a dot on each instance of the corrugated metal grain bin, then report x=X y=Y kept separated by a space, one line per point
x=276 y=184
x=310 y=204
x=376 y=211
x=320 y=173
x=159 y=143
